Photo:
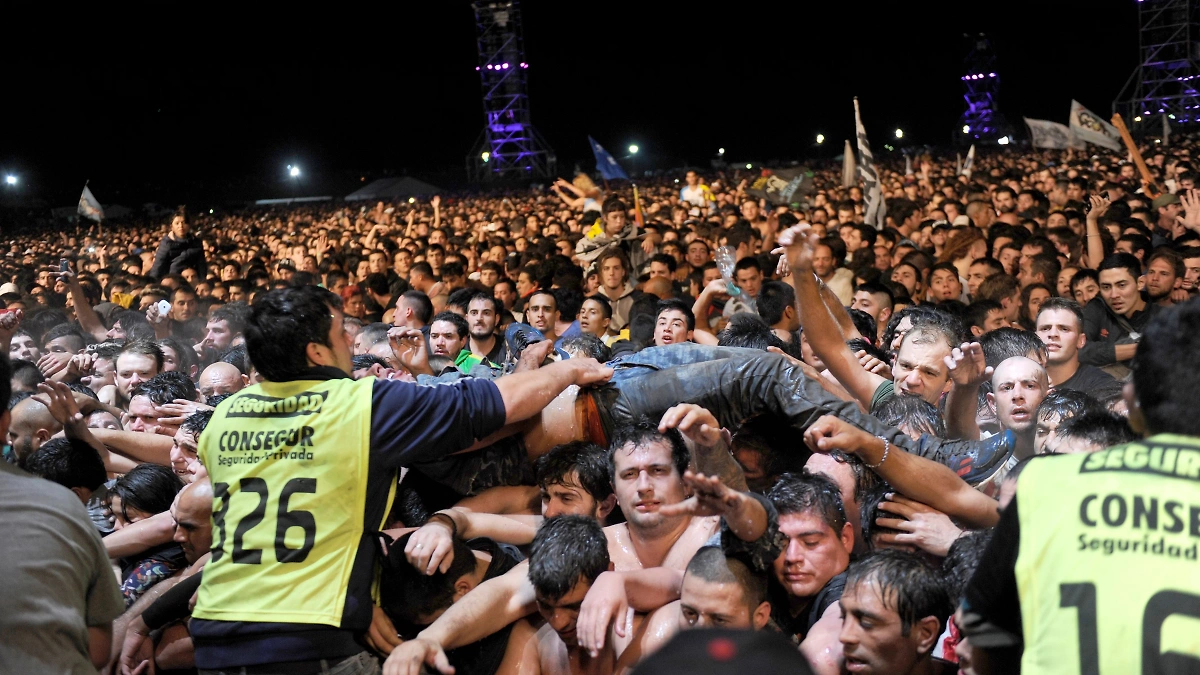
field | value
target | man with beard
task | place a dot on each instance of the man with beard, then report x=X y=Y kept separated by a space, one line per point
x=1164 y=276
x=482 y=315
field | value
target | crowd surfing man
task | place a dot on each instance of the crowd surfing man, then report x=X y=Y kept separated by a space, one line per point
x=218 y=353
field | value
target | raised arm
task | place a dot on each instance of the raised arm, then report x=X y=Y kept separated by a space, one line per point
x=65 y=409
x=821 y=330
x=1095 y=245
x=921 y=479
x=968 y=370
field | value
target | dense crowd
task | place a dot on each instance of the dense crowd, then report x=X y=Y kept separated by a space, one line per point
x=575 y=434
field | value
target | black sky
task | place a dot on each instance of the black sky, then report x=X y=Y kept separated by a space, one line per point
x=213 y=107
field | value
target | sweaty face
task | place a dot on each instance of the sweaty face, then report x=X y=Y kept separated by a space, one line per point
x=646 y=478
x=708 y=604
x=444 y=339
x=872 y=636
x=1046 y=430
x=562 y=613
x=920 y=369
x=1018 y=386
x=671 y=328
x=568 y=498
x=814 y=554
x=750 y=281
x=183 y=454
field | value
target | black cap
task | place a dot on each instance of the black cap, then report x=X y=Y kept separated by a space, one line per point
x=720 y=651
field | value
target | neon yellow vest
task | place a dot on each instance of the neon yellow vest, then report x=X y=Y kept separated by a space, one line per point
x=288 y=463
x=1107 y=570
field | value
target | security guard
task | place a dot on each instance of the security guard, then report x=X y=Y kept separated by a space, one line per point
x=1093 y=568
x=304 y=468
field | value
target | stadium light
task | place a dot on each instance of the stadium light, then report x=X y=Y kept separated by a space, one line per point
x=966 y=128
x=1138 y=118
x=485 y=157
x=294 y=171
x=633 y=149
x=720 y=151
x=749 y=166
x=820 y=138
x=899 y=133
x=1003 y=140
x=10 y=179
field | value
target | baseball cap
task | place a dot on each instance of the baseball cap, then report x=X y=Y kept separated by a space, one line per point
x=1165 y=200
x=721 y=651
x=10 y=287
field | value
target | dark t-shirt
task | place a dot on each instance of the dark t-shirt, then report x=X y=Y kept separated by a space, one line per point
x=799 y=625
x=484 y=657
x=1093 y=382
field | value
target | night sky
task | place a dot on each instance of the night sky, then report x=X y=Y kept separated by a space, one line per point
x=213 y=108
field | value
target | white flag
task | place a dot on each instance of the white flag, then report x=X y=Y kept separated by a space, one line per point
x=1052 y=135
x=89 y=206
x=969 y=165
x=874 y=210
x=1090 y=127
x=849 y=170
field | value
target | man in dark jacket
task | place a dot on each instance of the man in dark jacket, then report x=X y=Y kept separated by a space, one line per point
x=178 y=250
x=1113 y=321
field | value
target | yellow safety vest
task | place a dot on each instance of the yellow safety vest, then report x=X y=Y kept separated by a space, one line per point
x=288 y=463
x=1107 y=569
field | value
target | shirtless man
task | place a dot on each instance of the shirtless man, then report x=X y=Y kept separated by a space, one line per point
x=664 y=529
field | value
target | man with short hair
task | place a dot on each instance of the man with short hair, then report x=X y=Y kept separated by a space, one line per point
x=482 y=317
x=1164 y=276
x=1060 y=326
x=413 y=310
x=874 y=299
x=674 y=323
x=1191 y=267
x=541 y=312
x=984 y=316
x=138 y=362
x=302 y=598
x=595 y=315
x=614 y=269
x=777 y=307
x=718 y=591
x=448 y=335
x=808 y=576
x=1004 y=289
x=978 y=271
x=144 y=401
x=1113 y=322
x=895 y=606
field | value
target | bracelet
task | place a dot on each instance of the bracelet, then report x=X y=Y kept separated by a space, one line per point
x=453 y=526
x=886 y=447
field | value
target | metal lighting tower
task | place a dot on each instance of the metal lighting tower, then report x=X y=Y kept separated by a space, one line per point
x=509 y=148
x=981 y=121
x=1165 y=82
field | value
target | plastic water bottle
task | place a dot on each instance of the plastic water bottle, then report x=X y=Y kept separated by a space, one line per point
x=726 y=259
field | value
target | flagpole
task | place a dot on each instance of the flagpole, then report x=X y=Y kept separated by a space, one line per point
x=637 y=208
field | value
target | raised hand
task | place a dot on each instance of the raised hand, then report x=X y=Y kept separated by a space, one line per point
x=694 y=422
x=798 y=243
x=1191 y=210
x=60 y=401
x=408 y=344
x=709 y=498
x=1100 y=206
x=967 y=365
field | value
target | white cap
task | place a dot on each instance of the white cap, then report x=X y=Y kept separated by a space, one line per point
x=9 y=288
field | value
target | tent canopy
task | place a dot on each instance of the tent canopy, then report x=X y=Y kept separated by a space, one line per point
x=390 y=189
